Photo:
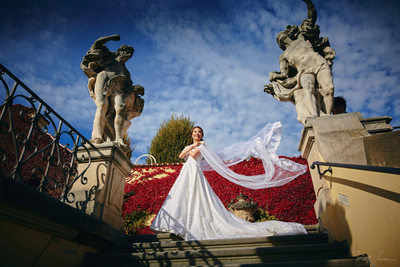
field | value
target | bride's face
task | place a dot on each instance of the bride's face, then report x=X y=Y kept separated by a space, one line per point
x=197 y=134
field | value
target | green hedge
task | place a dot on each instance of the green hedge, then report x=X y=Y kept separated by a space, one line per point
x=172 y=136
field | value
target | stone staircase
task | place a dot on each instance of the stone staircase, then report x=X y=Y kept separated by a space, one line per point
x=313 y=249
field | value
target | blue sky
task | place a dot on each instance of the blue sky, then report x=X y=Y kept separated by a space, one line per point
x=205 y=59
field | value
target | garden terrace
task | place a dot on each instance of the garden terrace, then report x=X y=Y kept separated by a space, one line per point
x=148 y=186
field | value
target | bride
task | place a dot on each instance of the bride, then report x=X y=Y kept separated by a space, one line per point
x=192 y=209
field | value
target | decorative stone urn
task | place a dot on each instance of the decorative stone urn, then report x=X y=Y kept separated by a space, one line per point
x=243 y=208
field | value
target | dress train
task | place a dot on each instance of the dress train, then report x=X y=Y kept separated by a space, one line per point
x=192 y=210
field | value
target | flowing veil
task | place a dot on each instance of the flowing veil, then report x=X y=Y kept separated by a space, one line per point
x=278 y=171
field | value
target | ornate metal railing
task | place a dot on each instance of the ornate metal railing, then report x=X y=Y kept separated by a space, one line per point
x=37 y=146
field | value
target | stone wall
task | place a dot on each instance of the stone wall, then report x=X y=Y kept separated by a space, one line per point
x=38 y=230
x=360 y=206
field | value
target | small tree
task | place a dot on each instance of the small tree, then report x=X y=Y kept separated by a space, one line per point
x=171 y=138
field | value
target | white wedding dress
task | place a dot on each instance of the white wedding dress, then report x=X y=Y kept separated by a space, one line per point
x=193 y=211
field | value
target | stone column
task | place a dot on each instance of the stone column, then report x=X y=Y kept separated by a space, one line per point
x=102 y=191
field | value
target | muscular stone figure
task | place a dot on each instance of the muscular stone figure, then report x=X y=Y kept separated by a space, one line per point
x=110 y=86
x=312 y=69
x=305 y=76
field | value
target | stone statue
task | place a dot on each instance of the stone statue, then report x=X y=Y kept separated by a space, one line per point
x=305 y=76
x=118 y=101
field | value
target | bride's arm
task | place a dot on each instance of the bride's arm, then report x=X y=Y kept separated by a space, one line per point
x=195 y=152
x=190 y=151
x=185 y=151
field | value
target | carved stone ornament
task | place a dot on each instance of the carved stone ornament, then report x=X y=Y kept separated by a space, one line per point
x=243 y=208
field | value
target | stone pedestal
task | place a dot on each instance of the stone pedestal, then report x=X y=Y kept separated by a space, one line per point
x=101 y=192
x=343 y=138
x=359 y=205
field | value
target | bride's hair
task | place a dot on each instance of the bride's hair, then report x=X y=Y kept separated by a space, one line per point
x=201 y=129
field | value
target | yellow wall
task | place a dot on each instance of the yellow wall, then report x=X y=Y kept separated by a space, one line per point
x=362 y=207
x=370 y=221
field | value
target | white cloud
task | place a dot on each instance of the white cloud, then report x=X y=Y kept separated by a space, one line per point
x=216 y=79
x=221 y=67
x=208 y=64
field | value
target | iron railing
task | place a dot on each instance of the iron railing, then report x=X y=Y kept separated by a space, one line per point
x=37 y=146
x=352 y=166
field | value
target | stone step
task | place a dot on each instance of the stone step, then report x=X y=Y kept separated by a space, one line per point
x=311 y=229
x=224 y=243
x=360 y=261
x=165 y=249
x=218 y=256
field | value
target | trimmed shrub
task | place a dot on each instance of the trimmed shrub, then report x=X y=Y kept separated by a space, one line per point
x=172 y=136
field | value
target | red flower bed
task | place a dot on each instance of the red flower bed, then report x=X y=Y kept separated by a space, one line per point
x=149 y=194
x=293 y=202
